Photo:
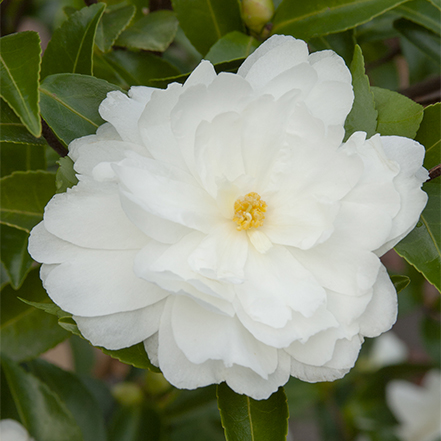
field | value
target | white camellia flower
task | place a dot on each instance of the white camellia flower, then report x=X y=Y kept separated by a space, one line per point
x=417 y=408
x=11 y=430
x=223 y=223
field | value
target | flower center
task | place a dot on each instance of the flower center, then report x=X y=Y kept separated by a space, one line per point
x=249 y=211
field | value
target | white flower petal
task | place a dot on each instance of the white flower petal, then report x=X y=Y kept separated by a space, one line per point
x=123 y=329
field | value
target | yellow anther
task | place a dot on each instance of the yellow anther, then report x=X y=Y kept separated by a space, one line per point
x=249 y=211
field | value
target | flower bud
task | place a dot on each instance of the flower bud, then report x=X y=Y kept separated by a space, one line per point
x=257 y=13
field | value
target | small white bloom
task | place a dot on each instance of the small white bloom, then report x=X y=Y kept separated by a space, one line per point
x=11 y=430
x=387 y=349
x=224 y=223
x=417 y=408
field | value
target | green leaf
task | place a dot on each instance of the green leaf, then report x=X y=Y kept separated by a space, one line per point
x=135 y=423
x=206 y=21
x=246 y=419
x=135 y=356
x=20 y=323
x=14 y=157
x=400 y=282
x=12 y=130
x=397 y=115
x=231 y=47
x=71 y=47
x=429 y=134
x=69 y=104
x=307 y=19
x=24 y=196
x=421 y=248
x=343 y=43
x=14 y=254
x=19 y=79
x=78 y=400
x=427 y=41
x=153 y=32
x=436 y=3
x=363 y=116
x=431 y=332
x=423 y=13
x=65 y=177
x=114 y=20
x=132 y=68
x=41 y=411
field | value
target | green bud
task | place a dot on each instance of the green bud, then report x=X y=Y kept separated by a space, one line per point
x=127 y=394
x=257 y=13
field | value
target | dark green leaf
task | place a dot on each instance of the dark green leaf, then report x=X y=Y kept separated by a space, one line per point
x=231 y=47
x=436 y=3
x=421 y=248
x=14 y=254
x=132 y=68
x=20 y=79
x=206 y=21
x=69 y=104
x=427 y=41
x=78 y=400
x=24 y=196
x=431 y=333
x=42 y=413
x=12 y=130
x=246 y=419
x=397 y=115
x=22 y=157
x=65 y=177
x=378 y=29
x=321 y=17
x=71 y=47
x=21 y=323
x=429 y=134
x=400 y=282
x=423 y=13
x=154 y=32
x=343 y=43
x=135 y=423
x=363 y=116
x=114 y=20
x=135 y=355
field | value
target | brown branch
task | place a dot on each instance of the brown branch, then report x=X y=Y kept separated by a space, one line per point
x=52 y=140
x=434 y=172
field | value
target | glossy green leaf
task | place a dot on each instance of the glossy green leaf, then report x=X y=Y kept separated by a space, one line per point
x=206 y=21
x=20 y=323
x=423 y=13
x=24 y=196
x=153 y=32
x=231 y=47
x=14 y=254
x=378 y=29
x=14 y=157
x=400 y=282
x=65 y=177
x=397 y=115
x=307 y=19
x=363 y=115
x=246 y=419
x=43 y=414
x=114 y=20
x=132 y=68
x=78 y=400
x=69 y=104
x=427 y=41
x=12 y=130
x=71 y=47
x=429 y=134
x=135 y=356
x=421 y=248
x=139 y=422
x=436 y=3
x=19 y=79
x=343 y=43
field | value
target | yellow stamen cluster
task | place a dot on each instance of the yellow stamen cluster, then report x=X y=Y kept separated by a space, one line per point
x=249 y=211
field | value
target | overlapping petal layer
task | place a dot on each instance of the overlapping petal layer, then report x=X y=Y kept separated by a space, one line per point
x=145 y=248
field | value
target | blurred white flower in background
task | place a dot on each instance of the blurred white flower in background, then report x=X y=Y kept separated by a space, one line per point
x=417 y=408
x=387 y=349
x=224 y=223
x=11 y=430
